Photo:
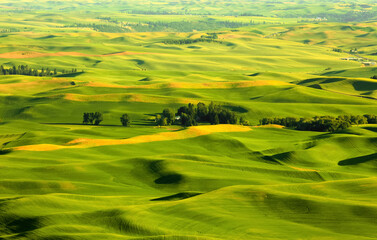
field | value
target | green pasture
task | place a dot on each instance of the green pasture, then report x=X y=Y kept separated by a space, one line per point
x=185 y=184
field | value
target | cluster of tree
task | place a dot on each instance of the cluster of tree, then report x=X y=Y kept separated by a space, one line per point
x=187 y=26
x=350 y=16
x=151 y=12
x=95 y=118
x=372 y=119
x=112 y=28
x=337 y=50
x=116 y=26
x=190 y=41
x=374 y=77
x=191 y=115
x=29 y=71
x=321 y=124
x=92 y=118
x=312 y=20
x=9 y=30
x=209 y=37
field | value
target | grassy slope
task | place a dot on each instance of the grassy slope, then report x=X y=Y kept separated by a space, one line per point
x=263 y=184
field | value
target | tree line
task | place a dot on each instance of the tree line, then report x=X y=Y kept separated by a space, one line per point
x=192 y=115
x=209 y=37
x=29 y=71
x=115 y=26
x=190 y=41
x=321 y=123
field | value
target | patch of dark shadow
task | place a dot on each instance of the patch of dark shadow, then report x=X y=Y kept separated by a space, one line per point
x=194 y=47
x=271 y=159
x=5 y=151
x=178 y=196
x=333 y=72
x=364 y=86
x=319 y=176
x=47 y=37
x=24 y=109
x=346 y=28
x=323 y=136
x=156 y=166
x=321 y=80
x=255 y=98
x=41 y=99
x=372 y=129
x=306 y=81
x=229 y=44
x=321 y=43
x=358 y=160
x=316 y=86
x=138 y=61
x=238 y=109
x=367 y=93
x=257 y=154
x=9 y=199
x=309 y=145
x=373 y=54
x=333 y=80
x=173 y=178
x=16 y=224
x=368 y=97
x=147 y=79
x=96 y=63
x=363 y=35
x=282 y=157
x=70 y=74
x=254 y=75
x=4 y=35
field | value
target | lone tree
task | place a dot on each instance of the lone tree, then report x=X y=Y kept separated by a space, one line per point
x=125 y=120
x=374 y=77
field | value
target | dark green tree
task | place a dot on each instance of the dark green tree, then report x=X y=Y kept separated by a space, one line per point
x=169 y=115
x=125 y=120
x=97 y=118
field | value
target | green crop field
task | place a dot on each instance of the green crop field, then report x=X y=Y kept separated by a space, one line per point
x=61 y=179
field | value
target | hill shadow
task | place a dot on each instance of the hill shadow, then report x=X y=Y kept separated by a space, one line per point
x=173 y=178
x=333 y=73
x=47 y=37
x=21 y=225
x=358 y=160
x=238 y=109
x=70 y=74
x=178 y=196
x=372 y=129
x=364 y=86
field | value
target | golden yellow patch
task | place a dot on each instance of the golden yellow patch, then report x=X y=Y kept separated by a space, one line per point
x=21 y=54
x=270 y=126
x=165 y=136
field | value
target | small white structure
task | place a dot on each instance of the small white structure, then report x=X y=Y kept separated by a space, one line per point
x=351 y=59
x=367 y=64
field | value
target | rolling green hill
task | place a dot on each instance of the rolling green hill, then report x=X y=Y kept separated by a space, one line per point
x=60 y=179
